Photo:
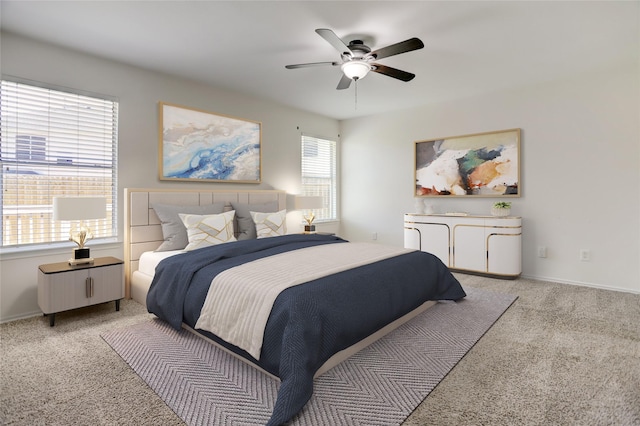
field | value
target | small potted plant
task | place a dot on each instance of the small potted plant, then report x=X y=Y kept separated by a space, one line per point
x=501 y=208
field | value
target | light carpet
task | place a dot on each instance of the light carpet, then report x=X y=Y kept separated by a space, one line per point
x=380 y=385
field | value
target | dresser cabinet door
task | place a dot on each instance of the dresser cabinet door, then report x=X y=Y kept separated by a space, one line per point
x=64 y=291
x=503 y=252
x=412 y=237
x=107 y=283
x=469 y=251
x=430 y=237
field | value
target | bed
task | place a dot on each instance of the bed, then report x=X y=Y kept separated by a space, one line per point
x=343 y=297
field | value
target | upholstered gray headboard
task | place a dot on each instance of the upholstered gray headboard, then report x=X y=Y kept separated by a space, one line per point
x=142 y=229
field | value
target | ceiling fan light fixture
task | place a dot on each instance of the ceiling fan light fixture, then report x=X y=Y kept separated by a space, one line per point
x=357 y=59
x=356 y=70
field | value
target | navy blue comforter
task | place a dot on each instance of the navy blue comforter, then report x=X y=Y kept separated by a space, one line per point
x=309 y=322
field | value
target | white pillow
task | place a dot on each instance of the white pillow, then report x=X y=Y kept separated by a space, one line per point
x=270 y=224
x=208 y=230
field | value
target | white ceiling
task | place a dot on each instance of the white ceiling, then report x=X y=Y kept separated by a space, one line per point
x=470 y=47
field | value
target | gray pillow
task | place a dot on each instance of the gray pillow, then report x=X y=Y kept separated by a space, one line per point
x=246 y=228
x=173 y=230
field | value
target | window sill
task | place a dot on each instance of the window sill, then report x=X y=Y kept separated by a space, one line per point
x=328 y=221
x=54 y=248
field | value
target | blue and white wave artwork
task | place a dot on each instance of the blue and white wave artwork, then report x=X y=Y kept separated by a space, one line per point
x=198 y=145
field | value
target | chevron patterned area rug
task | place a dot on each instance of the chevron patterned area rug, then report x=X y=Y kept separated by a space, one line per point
x=380 y=385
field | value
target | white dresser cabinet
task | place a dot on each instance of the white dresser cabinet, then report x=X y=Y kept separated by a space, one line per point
x=479 y=244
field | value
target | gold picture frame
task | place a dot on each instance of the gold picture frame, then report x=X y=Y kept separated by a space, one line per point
x=477 y=165
x=202 y=146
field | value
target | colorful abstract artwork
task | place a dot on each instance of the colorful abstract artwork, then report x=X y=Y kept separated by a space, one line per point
x=203 y=146
x=482 y=164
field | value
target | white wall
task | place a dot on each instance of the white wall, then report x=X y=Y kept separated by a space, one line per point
x=139 y=92
x=580 y=153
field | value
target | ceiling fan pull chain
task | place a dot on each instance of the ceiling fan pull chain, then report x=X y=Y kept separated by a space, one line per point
x=356 y=86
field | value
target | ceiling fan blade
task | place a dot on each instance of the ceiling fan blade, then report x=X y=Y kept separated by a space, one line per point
x=311 y=64
x=396 y=49
x=334 y=40
x=392 y=72
x=344 y=83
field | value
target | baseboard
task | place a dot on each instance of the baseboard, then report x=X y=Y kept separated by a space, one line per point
x=579 y=283
x=21 y=316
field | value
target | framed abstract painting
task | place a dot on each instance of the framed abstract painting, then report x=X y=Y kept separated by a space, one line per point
x=197 y=145
x=481 y=164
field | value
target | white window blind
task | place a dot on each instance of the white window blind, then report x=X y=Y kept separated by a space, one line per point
x=319 y=177
x=54 y=143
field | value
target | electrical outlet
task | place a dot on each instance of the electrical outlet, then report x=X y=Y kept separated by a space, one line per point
x=585 y=255
x=542 y=251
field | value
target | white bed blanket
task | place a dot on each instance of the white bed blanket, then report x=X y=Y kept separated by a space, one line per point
x=240 y=299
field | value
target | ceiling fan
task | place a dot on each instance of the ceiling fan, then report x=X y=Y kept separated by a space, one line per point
x=358 y=59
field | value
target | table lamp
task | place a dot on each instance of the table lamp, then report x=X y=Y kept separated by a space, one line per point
x=309 y=203
x=80 y=209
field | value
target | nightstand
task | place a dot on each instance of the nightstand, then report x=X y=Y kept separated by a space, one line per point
x=62 y=287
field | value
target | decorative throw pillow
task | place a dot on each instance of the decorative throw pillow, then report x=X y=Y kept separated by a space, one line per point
x=204 y=231
x=270 y=224
x=173 y=231
x=246 y=228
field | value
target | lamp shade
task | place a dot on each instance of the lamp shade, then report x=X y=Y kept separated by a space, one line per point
x=79 y=208
x=356 y=69
x=309 y=202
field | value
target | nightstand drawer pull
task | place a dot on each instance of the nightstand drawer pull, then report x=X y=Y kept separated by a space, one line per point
x=89 y=286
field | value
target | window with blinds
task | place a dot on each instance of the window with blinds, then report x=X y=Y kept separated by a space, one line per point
x=319 y=176
x=54 y=143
